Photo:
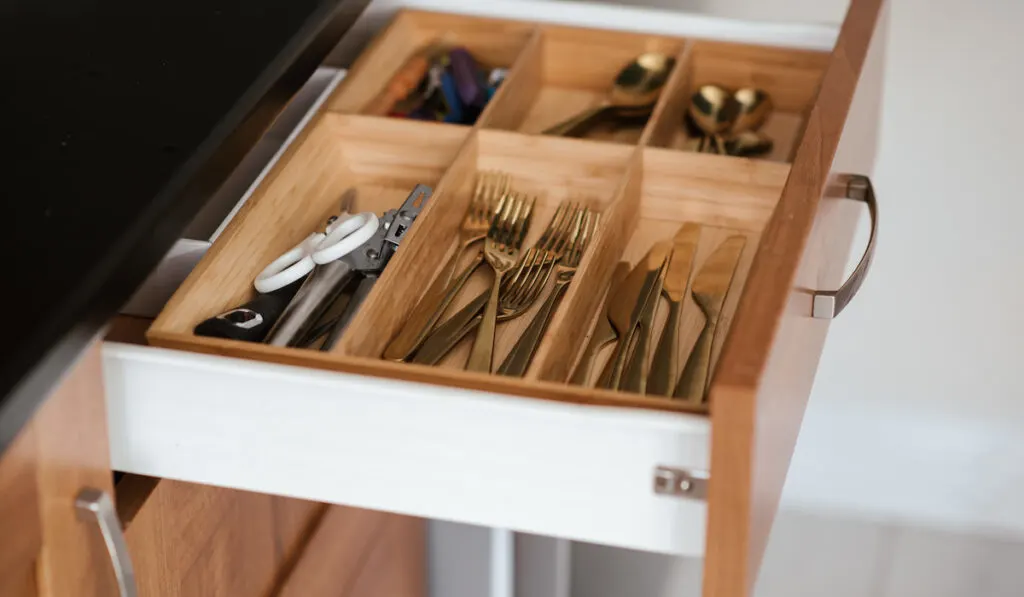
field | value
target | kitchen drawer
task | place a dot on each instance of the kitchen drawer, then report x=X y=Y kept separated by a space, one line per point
x=533 y=456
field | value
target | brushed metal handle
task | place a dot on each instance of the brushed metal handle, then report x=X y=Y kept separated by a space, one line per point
x=828 y=304
x=94 y=505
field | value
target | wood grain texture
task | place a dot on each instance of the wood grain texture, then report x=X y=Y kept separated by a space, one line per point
x=517 y=94
x=492 y=43
x=20 y=582
x=767 y=368
x=353 y=548
x=397 y=564
x=73 y=453
x=192 y=539
x=19 y=513
x=295 y=522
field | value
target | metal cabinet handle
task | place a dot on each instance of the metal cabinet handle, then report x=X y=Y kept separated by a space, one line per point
x=828 y=304
x=93 y=505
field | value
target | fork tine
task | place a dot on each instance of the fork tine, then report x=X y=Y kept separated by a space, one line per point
x=524 y=222
x=545 y=238
x=484 y=197
x=501 y=235
x=489 y=206
x=501 y=213
x=502 y=186
x=548 y=255
x=590 y=228
x=509 y=225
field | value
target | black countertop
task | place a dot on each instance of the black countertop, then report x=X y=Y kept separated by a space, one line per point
x=119 y=120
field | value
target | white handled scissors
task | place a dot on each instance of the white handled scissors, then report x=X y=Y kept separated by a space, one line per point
x=341 y=237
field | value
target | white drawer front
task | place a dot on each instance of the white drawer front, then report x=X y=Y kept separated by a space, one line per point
x=581 y=472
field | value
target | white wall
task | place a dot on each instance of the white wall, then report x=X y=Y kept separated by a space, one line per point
x=918 y=412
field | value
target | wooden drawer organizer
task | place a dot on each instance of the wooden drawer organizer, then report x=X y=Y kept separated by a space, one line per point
x=643 y=184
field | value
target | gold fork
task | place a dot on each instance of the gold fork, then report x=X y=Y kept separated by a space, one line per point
x=490 y=188
x=501 y=249
x=518 y=291
x=518 y=360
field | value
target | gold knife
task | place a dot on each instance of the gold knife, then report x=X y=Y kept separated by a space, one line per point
x=634 y=376
x=604 y=333
x=627 y=305
x=665 y=367
x=709 y=288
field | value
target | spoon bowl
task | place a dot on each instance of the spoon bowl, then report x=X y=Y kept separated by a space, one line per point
x=713 y=109
x=635 y=91
x=754 y=106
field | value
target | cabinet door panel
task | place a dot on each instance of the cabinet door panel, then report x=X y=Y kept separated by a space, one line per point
x=72 y=453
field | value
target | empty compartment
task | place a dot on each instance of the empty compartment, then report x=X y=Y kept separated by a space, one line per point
x=375 y=163
x=548 y=170
x=789 y=77
x=573 y=70
x=370 y=84
x=727 y=197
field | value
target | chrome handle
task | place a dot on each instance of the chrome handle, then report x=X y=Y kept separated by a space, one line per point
x=93 y=505
x=828 y=304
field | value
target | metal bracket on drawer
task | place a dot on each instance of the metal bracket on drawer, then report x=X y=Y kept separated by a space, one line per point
x=681 y=482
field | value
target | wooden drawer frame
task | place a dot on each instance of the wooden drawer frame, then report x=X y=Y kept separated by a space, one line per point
x=176 y=414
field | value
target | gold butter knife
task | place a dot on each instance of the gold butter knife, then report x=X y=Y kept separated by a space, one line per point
x=626 y=307
x=710 y=288
x=664 y=368
x=604 y=333
x=634 y=376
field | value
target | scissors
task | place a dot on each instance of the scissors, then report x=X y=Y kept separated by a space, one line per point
x=343 y=234
x=298 y=288
x=300 y=324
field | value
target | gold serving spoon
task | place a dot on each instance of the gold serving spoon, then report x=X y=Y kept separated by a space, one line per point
x=633 y=95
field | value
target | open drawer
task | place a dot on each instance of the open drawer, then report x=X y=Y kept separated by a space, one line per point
x=533 y=454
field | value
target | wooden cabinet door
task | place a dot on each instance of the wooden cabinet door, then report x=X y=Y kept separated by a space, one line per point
x=188 y=539
x=19 y=517
x=767 y=369
x=47 y=551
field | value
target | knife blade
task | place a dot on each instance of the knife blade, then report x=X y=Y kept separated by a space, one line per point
x=627 y=305
x=665 y=366
x=634 y=376
x=604 y=333
x=709 y=289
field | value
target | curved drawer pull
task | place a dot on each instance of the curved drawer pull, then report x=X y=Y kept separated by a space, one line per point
x=93 y=505
x=828 y=304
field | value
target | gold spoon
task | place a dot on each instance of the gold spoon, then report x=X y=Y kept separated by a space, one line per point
x=754 y=108
x=633 y=95
x=713 y=110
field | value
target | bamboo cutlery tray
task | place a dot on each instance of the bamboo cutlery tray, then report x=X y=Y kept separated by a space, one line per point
x=640 y=179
